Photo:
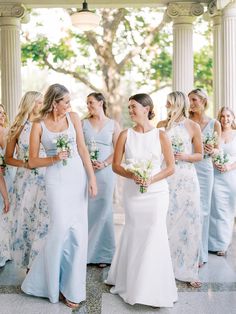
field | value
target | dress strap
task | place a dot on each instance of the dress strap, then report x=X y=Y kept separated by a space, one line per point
x=70 y=123
x=43 y=126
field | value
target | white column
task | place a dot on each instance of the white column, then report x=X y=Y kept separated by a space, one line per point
x=10 y=56
x=216 y=16
x=229 y=55
x=183 y=15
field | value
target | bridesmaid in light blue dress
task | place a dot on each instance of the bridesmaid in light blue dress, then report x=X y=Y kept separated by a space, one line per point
x=59 y=271
x=224 y=189
x=28 y=209
x=103 y=132
x=198 y=104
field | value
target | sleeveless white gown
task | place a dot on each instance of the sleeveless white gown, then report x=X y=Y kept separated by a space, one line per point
x=141 y=270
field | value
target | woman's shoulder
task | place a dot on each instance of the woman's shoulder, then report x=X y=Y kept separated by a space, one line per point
x=162 y=124
x=73 y=115
x=124 y=132
x=192 y=124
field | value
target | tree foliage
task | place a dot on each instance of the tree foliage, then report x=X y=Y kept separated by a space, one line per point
x=126 y=49
x=128 y=52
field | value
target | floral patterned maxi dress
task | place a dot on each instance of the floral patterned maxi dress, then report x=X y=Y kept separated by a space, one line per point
x=5 y=251
x=183 y=218
x=28 y=206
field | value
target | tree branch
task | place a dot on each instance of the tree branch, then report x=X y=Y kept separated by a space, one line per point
x=72 y=73
x=159 y=88
x=145 y=43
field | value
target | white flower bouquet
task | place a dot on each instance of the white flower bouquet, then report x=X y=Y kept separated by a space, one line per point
x=93 y=150
x=220 y=158
x=177 y=145
x=211 y=139
x=63 y=144
x=141 y=168
x=2 y=163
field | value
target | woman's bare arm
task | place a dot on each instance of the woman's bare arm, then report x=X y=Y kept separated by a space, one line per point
x=84 y=154
x=118 y=157
x=34 y=160
x=168 y=157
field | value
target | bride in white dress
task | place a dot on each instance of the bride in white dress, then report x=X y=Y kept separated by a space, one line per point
x=141 y=270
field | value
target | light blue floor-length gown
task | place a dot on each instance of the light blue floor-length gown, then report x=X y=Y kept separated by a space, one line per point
x=205 y=175
x=101 y=241
x=223 y=203
x=183 y=217
x=5 y=249
x=61 y=264
x=141 y=270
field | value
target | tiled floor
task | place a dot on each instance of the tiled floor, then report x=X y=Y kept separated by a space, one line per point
x=216 y=296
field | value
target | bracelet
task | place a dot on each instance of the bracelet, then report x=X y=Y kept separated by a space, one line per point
x=105 y=163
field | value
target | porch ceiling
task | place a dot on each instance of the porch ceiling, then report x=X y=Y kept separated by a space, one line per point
x=96 y=3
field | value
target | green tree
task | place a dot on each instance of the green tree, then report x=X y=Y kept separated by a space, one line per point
x=129 y=51
x=131 y=48
x=203 y=62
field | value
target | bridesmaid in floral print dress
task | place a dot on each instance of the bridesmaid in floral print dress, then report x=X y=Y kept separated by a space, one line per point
x=183 y=218
x=28 y=209
x=5 y=186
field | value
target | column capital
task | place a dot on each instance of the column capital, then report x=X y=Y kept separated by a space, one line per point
x=221 y=4
x=213 y=9
x=213 y=13
x=12 y=10
x=230 y=9
x=184 y=12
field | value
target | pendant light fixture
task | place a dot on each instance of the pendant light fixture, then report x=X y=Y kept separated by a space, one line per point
x=85 y=19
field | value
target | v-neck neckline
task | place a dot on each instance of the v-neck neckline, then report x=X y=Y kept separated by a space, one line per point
x=99 y=131
x=206 y=125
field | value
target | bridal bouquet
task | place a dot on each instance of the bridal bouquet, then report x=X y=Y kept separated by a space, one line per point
x=2 y=163
x=93 y=150
x=220 y=158
x=141 y=168
x=210 y=139
x=177 y=145
x=63 y=144
x=26 y=159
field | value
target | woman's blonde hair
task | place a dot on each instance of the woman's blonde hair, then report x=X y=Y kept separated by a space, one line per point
x=26 y=106
x=6 y=122
x=224 y=108
x=54 y=94
x=179 y=106
x=202 y=94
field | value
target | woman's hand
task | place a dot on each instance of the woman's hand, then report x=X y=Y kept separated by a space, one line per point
x=6 y=205
x=98 y=165
x=181 y=156
x=92 y=187
x=223 y=168
x=2 y=171
x=208 y=149
x=64 y=154
x=138 y=180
